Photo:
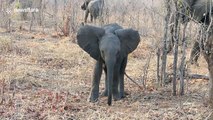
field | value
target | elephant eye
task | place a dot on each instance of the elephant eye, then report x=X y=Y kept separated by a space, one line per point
x=102 y=54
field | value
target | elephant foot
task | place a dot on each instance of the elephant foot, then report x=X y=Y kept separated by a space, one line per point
x=116 y=97
x=93 y=98
x=124 y=94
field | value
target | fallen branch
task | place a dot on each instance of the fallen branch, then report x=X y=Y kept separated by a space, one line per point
x=133 y=81
x=197 y=76
x=190 y=76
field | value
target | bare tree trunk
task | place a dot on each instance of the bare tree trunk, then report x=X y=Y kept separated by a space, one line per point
x=66 y=26
x=158 y=67
x=2 y=92
x=183 y=61
x=1 y=13
x=40 y=17
x=176 y=41
x=146 y=70
x=8 y=21
x=32 y=21
x=208 y=54
x=73 y=18
x=164 y=56
x=210 y=66
x=55 y=15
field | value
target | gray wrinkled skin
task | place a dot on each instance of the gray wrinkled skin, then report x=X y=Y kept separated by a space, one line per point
x=109 y=46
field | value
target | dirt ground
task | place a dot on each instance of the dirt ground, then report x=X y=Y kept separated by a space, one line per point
x=48 y=78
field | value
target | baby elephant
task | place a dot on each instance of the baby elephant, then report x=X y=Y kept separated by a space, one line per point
x=109 y=46
x=92 y=7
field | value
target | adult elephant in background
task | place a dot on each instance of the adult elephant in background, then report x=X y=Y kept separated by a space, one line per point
x=92 y=7
x=109 y=46
x=202 y=11
x=198 y=10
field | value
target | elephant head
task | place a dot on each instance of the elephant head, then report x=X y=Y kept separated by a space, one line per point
x=91 y=39
x=85 y=4
x=111 y=28
x=198 y=9
x=110 y=45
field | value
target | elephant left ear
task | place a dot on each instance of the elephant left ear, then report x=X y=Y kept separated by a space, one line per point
x=129 y=40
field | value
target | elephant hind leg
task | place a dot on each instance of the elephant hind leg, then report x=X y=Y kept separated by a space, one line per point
x=195 y=53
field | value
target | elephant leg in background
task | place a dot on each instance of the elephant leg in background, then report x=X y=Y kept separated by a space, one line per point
x=91 y=18
x=96 y=81
x=195 y=53
x=105 y=93
x=86 y=15
x=121 y=77
x=115 y=93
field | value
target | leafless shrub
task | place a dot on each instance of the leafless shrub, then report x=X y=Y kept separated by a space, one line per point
x=6 y=45
x=56 y=63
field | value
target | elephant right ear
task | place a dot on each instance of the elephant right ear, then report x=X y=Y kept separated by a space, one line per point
x=88 y=39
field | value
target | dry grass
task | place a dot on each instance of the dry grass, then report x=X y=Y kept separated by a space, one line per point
x=6 y=45
x=53 y=82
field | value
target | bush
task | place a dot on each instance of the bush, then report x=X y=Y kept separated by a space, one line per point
x=5 y=45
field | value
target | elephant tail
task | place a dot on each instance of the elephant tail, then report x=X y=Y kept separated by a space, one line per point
x=133 y=81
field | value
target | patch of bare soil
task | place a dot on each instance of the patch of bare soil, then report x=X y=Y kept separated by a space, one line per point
x=49 y=79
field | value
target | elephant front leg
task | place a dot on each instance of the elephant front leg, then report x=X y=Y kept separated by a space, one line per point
x=121 y=78
x=94 y=94
x=91 y=18
x=86 y=16
x=116 y=94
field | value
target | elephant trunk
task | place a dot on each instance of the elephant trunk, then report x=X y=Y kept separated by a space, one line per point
x=110 y=73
